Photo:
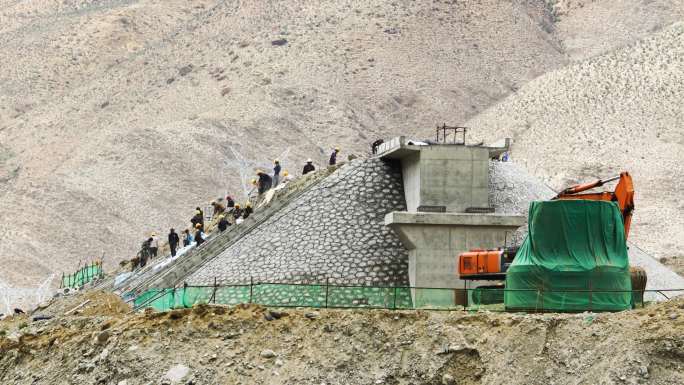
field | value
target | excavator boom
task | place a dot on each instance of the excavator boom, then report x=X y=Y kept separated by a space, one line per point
x=586 y=186
x=623 y=195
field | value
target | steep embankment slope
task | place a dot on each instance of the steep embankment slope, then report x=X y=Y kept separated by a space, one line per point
x=620 y=111
x=117 y=116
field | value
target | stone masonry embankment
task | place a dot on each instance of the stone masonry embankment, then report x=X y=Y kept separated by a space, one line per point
x=334 y=231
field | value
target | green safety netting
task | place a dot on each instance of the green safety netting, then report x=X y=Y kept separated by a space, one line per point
x=82 y=276
x=573 y=259
x=280 y=295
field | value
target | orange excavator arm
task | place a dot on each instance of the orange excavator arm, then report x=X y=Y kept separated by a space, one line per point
x=623 y=195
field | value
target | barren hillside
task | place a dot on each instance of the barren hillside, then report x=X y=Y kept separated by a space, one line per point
x=117 y=116
x=591 y=27
x=619 y=111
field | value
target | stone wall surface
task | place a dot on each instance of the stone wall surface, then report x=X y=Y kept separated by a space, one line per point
x=334 y=231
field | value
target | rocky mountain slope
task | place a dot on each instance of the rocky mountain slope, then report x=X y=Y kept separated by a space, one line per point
x=117 y=117
x=589 y=28
x=101 y=343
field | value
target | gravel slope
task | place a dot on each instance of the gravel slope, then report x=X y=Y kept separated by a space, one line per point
x=618 y=111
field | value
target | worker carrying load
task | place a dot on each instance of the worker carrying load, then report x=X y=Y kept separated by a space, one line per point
x=218 y=208
x=198 y=218
x=237 y=211
x=264 y=183
x=308 y=167
x=199 y=234
x=223 y=223
x=248 y=210
x=145 y=252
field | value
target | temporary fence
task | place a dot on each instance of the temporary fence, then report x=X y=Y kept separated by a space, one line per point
x=83 y=275
x=369 y=297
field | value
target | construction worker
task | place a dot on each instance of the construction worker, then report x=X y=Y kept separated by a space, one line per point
x=198 y=218
x=223 y=223
x=276 y=172
x=145 y=252
x=199 y=234
x=154 y=247
x=237 y=212
x=230 y=203
x=375 y=145
x=218 y=208
x=174 y=240
x=187 y=238
x=308 y=167
x=264 y=183
x=248 y=210
x=333 y=156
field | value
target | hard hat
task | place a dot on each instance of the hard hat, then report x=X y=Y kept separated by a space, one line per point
x=337 y=149
x=276 y=161
x=285 y=173
x=259 y=172
x=253 y=181
x=237 y=205
x=198 y=225
x=309 y=160
x=248 y=204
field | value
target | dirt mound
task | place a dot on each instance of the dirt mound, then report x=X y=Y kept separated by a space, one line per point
x=211 y=344
x=88 y=303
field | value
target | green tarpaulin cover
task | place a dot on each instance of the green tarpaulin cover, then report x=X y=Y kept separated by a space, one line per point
x=573 y=246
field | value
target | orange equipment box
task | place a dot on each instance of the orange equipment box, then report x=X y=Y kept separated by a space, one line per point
x=478 y=262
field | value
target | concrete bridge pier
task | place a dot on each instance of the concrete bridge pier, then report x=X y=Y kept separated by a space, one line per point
x=434 y=240
x=447 y=199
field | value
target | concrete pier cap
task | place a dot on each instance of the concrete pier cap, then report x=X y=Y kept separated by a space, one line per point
x=448 y=212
